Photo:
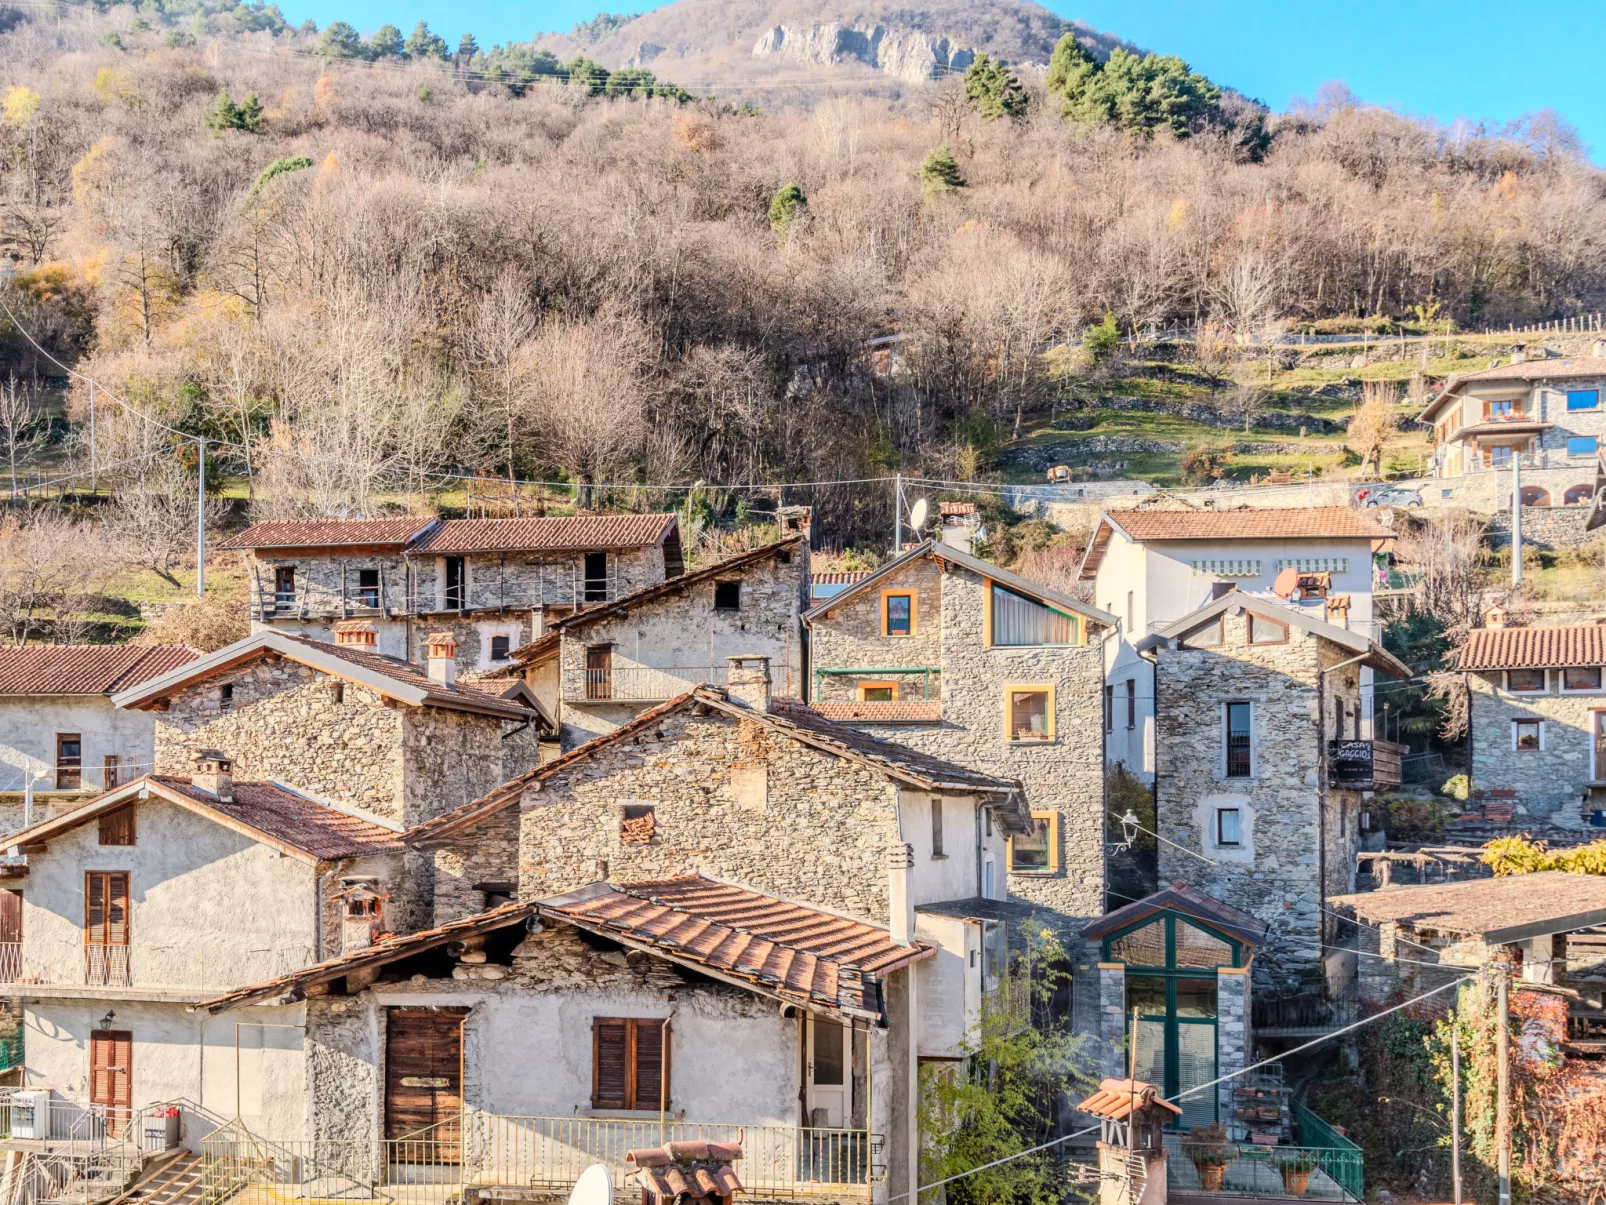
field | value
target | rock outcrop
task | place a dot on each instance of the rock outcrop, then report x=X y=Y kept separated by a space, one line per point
x=908 y=54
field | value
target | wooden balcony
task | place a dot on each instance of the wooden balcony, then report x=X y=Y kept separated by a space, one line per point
x=1355 y=765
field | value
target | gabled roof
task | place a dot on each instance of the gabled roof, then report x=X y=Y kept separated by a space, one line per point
x=798 y=953
x=85 y=669
x=556 y=533
x=388 y=676
x=547 y=643
x=1534 y=648
x=897 y=762
x=1290 y=523
x=265 y=811
x=944 y=552
x=1498 y=911
x=1179 y=897
x=387 y=949
x=1580 y=368
x=1377 y=656
x=330 y=533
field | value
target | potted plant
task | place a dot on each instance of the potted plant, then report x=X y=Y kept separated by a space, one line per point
x=1208 y=1150
x=1295 y=1167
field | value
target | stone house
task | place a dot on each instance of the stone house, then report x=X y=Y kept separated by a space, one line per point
x=64 y=740
x=493 y=583
x=959 y=658
x=155 y=896
x=602 y=666
x=1537 y=716
x=718 y=811
x=1263 y=767
x=1150 y=567
x=1547 y=410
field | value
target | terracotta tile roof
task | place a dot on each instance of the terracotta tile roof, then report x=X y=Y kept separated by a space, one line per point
x=85 y=669
x=328 y=533
x=1118 y=1097
x=895 y=711
x=956 y=508
x=899 y=762
x=323 y=832
x=687 y=1171
x=842 y=579
x=1293 y=523
x=1182 y=898
x=386 y=949
x=1534 y=648
x=552 y=533
x=797 y=952
x=1580 y=369
x=1497 y=910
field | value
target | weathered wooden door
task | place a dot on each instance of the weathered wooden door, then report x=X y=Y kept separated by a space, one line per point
x=111 y=1074
x=424 y=1083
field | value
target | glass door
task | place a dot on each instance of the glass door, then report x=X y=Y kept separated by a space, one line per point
x=1171 y=1028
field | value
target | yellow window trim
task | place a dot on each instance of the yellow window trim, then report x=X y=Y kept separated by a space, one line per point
x=1014 y=688
x=914 y=610
x=864 y=686
x=1053 y=866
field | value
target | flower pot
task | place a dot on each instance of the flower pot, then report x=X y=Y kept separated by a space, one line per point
x=1296 y=1180
x=1211 y=1175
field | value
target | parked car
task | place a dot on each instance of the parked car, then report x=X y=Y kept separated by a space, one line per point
x=1387 y=495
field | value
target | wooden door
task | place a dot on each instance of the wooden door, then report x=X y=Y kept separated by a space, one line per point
x=10 y=936
x=599 y=672
x=424 y=1083
x=111 y=1074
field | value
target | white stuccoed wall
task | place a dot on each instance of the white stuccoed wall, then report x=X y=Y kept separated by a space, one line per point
x=28 y=728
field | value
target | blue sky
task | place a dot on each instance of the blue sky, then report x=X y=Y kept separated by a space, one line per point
x=1438 y=58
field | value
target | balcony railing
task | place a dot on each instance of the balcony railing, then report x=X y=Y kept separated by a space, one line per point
x=532 y=1152
x=191 y=969
x=1355 y=765
x=639 y=683
x=107 y=965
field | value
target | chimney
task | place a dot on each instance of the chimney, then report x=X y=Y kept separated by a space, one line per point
x=750 y=681
x=442 y=648
x=1495 y=617
x=356 y=633
x=796 y=520
x=214 y=774
x=900 y=894
x=1519 y=354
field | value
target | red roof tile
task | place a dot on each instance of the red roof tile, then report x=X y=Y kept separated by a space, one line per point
x=842 y=579
x=85 y=669
x=896 y=711
x=553 y=533
x=1537 y=370
x=1117 y=1097
x=1493 y=909
x=1293 y=523
x=322 y=832
x=328 y=533
x=812 y=956
x=1534 y=648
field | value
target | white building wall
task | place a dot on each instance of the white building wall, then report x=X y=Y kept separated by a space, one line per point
x=28 y=728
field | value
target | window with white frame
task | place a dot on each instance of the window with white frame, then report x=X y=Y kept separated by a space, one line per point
x=1580 y=678
x=1525 y=681
x=1229 y=827
x=1527 y=735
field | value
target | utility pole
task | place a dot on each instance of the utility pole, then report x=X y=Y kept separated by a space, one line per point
x=1455 y=1111
x=1516 y=517
x=1502 y=1121
x=92 y=471
x=897 y=517
x=200 y=519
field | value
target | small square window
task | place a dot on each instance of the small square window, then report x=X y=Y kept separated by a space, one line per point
x=878 y=692
x=1583 y=399
x=1266 y=631
x=727 y=596
x=1036 y=851
x=637 y=824
x=1526 y=734
x=499 y=648
x=225 y=697
x=1030 y=715
x=1229 y=826
x=1582 y=445
x=368 y=587
x=1525 y=681
x=1581 y=677
x=117 y=828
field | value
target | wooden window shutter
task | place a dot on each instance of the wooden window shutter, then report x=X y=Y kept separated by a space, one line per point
x=652 y=1062
x=610 y=1063
x=117 y=828
x=106 y=907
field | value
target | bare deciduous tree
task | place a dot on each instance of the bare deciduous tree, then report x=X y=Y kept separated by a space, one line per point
x=52 y=569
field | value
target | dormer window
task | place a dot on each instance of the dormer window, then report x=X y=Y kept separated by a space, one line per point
x=1018 y=621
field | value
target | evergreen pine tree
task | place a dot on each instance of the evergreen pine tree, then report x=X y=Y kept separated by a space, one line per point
x=992 y=91
x=224 y=114
x=340 y=41
x=387 y=43
x=248 y=116
x=940 y=173
x=785 y=207
x=467 y=48
x=422 y=44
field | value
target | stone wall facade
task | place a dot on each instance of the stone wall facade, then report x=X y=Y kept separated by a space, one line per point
x=1062 y=777
x=819 y=831
x=1293 y=827
x=1552 y=781
x=486 y=853
x=1547 y=528
x=1234 y=1040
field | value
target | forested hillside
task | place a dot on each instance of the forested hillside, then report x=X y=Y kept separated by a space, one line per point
x=356 y=271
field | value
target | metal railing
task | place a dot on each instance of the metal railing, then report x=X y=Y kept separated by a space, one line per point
x=1241 y=1169
x=190 y=968
x=436 y=1163
x=107 y=965
x=1344 y=1164
x=640 y=683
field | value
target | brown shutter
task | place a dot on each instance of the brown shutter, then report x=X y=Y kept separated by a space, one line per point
x=117 y=908
x=117 y=828
x=94 y=907
x=10 y=916
x=610 y=1063
x=652 y=1064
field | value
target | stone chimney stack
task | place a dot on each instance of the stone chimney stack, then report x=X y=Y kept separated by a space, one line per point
x=750 y=681
x=214 y=774
x=356 y=633
x=442 y=649
x=900 y=894
x=1495 y=617
x=1519 y=354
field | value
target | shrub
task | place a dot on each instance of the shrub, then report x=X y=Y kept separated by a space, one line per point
x=1201 y=466
x=1103 y=340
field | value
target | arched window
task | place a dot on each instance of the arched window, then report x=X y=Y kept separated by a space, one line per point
x=1532 y=495
x=1578 y=495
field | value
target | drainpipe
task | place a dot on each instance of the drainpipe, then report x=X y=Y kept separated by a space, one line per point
x=1321 y=795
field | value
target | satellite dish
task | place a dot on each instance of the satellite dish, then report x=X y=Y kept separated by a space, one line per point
x=917 y=514
x=594 y=1187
